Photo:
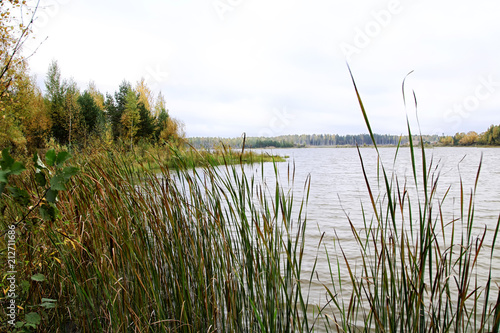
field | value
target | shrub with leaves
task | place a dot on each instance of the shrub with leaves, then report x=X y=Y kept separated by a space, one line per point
x=28 y=202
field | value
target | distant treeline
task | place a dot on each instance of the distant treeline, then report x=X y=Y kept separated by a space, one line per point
x=305 y=140
x=490 y=137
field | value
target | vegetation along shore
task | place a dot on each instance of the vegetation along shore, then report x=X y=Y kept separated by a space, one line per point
x=111 y=221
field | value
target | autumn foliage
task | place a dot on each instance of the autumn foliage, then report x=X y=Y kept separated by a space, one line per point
x=491 y=137
x=65 y=114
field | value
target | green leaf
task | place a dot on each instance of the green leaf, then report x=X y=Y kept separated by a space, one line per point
x=69 y=172
x=48 y=303
x=50 y=157
x=48 y=300
x=57 y=183
x=38 y=277
x=40 y=179
x=19 y=324
x=33 y=318
x=7 y=160
x=4 y=176
x=2 y=186
x=62 y=157
x=17 y=168
x=51 y=196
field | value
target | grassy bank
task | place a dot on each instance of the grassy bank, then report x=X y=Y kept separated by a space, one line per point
x=169 y=241
x=155 y=157
x=182 y=249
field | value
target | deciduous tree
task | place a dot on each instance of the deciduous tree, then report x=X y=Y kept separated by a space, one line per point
x=130 y=117
x=145 y=94
x=16 y=19
x=96 y=95
x=469 y=139
x=54 y=98
x=172 y=132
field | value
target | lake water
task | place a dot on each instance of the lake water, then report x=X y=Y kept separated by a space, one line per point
x=338 y=189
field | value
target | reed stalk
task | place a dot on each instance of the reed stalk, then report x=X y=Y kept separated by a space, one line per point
x=418 y=271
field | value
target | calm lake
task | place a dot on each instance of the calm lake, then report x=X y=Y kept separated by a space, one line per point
x=338 y=189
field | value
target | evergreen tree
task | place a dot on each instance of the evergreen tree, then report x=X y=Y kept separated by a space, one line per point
x=146 y=128
x=161 y=122
x=115 y=112
x=93 y=116
x=109 y=107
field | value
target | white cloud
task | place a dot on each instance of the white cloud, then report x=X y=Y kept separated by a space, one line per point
x=225 y=76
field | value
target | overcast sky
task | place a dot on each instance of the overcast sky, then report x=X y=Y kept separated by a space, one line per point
x=272 y=67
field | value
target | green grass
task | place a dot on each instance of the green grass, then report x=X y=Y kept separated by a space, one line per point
x=418 y=263
x=153 y=158
x=176 y=241
x=184 y=249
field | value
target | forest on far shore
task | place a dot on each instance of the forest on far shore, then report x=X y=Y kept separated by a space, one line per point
x=491 y=137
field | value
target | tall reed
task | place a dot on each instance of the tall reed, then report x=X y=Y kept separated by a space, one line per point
x=183 y=250
x=141 y=245
x=418 y=270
